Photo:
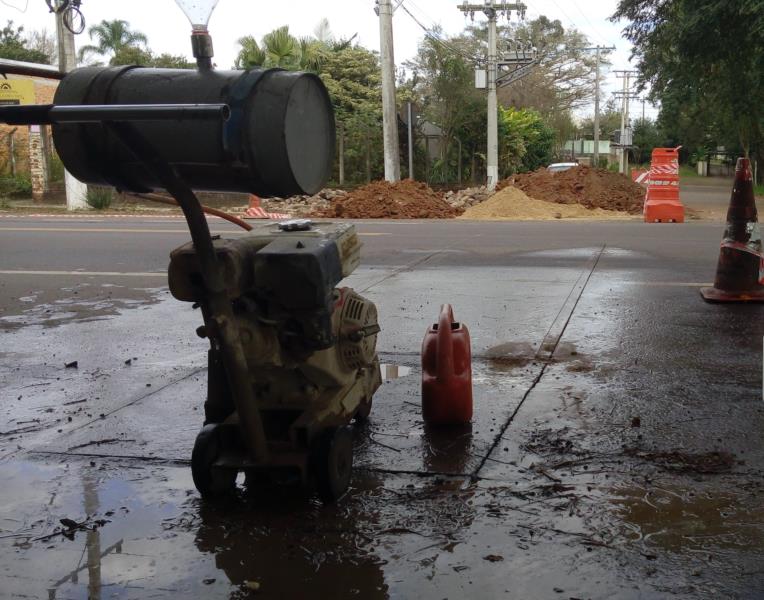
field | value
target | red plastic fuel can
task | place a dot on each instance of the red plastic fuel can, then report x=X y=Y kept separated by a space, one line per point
x=447 y=372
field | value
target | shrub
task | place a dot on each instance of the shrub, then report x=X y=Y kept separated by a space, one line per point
x=18 y=186
x=56 y=168
x=99 y=197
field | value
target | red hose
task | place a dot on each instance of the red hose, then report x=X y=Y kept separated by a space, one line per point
x=207 y=209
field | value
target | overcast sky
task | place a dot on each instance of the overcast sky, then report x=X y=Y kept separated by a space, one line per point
x=168 y=30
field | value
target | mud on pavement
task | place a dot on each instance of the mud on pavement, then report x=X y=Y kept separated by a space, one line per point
x=612 y=455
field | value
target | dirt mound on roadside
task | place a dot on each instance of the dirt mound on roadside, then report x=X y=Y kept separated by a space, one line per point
x=406 y=199
x=512 y=204
x=592 y=188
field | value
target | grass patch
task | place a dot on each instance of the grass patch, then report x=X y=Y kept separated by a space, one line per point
x=758 y=190
x=686 y=171
x=99 y=197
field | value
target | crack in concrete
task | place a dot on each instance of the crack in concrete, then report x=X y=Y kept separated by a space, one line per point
x=400 y=270
x=548 y=345
x=138 y=399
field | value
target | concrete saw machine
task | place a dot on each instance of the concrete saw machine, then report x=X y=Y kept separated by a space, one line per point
x=310 y=349
x=292 y=358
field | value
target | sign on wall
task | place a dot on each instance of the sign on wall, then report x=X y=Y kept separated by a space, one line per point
x=16 y=91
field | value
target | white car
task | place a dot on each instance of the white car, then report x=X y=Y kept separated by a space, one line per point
x=557 y=167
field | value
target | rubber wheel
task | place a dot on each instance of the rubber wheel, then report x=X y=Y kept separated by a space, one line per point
x=212 y=482
x=332 y=459
x=363 y=412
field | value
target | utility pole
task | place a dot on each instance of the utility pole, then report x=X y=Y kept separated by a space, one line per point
x=341 y=132
x=621 y=167
x=76 y=191
x=491 y=9
x=389 y=113
x=625 y=140
x=597 y=49
x=411 y=141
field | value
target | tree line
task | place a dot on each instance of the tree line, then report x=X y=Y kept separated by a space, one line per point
x=536 y=114
x=703 y=60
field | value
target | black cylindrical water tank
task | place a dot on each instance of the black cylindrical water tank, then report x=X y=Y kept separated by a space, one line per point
x=279 y=139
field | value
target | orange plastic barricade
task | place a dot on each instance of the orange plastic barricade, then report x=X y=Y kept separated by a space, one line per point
x=256 y=211
x=662 y=204
x=640 y=176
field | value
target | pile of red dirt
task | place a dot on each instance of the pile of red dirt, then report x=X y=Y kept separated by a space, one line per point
x=592 y=188
x=406 y=199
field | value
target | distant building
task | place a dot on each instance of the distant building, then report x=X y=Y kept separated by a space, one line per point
x=25 y=150
x=586 y=147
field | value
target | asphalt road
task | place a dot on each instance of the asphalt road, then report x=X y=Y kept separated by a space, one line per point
x=616 y=449
x=137 y=250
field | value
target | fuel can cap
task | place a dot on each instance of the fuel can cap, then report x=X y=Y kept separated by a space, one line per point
x=296 y=225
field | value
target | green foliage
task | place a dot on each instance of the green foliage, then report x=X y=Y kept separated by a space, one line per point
x=56 y=168
x=564 y=78
x=646 y=137
x=610 y=120
x=112 y=38
x=131 y=55
x=352 y=77
x=14 y=46
x=250 y=55
x=686 y=171
x=279 y=48
x=172 y=61
x=443 y=86
x=525 y=141
x=19 y=186
x=704 y=62
x=122 y=46
x=699 y=155
x=99 y=197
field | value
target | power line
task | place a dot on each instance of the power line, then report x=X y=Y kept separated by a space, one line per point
x=434 y=37
x=576 y=25
x=21 y=10
x=566 y=15
x=594 y=29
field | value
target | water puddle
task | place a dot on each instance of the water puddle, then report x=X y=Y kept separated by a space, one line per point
x=81 y=303
x=517 y=355
x=677 y=519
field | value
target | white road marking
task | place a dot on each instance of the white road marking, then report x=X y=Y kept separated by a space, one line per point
x=128 y=230
x=88 y=273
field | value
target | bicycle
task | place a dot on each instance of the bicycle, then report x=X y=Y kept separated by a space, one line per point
x=72 y=16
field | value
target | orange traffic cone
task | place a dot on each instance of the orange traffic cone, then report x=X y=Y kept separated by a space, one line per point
x=740 y=272
x=254 y=201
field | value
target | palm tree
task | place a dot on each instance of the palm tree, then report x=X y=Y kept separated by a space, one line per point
x=111 y=37
x=312 y=53
x=250 y=55
x=279 y=48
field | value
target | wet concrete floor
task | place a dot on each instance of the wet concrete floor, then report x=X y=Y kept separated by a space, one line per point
x=616 y=450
